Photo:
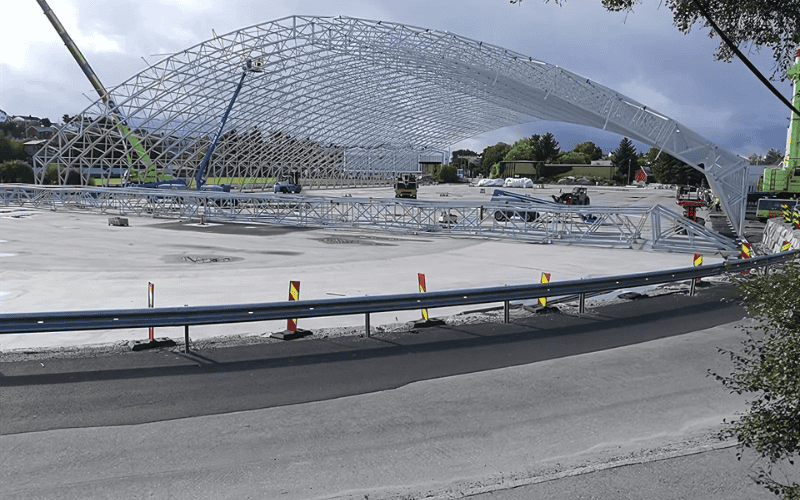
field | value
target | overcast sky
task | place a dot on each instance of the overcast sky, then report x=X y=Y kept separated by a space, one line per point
x=640 y=55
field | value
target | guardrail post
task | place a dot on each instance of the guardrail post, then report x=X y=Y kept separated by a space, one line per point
x=150 y=303
x=582 y=303
x=698 y=261
x=507 y=311
x=366 y=323
x=186 y=339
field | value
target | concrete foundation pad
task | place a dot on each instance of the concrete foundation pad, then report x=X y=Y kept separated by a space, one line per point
x=139 y=345
x=289 y=335
x=426 y=323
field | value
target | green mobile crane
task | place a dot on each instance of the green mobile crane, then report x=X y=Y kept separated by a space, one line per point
x=785 y=182
x=150 y=173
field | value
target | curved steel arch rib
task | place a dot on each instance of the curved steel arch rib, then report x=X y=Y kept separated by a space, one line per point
x=345 y=101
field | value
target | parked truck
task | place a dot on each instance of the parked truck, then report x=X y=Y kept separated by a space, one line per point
x=405 y=186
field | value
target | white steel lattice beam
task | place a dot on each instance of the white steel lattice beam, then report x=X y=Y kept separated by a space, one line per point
x=348 y=102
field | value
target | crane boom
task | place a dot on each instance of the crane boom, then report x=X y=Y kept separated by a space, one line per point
x=125 y=130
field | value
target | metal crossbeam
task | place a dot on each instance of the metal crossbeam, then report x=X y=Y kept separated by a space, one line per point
x=646 y=228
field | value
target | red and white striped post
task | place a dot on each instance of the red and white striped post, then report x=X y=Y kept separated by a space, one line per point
x=747 y=253
x=151 y=296
x=422 y=289
x=545 y=279
x=294 y=294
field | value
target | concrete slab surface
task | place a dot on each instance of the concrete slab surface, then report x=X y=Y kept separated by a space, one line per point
x=67 y=260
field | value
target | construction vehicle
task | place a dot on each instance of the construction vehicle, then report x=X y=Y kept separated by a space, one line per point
x=288 y=184
x=689 y=198
x=578 y=196
x=150 y=174
x=769 y=208
x=784 y=182
x=405 y=186
x=517 y=199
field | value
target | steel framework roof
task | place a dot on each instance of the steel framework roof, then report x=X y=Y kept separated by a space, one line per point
x=347 y=101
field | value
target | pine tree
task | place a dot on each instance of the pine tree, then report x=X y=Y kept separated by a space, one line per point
x=625 y=161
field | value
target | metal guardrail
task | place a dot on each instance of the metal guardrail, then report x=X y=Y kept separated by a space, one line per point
x=109 y=319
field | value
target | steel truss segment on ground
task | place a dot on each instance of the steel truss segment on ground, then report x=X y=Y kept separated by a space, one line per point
x=647 y=228
x=348 y=102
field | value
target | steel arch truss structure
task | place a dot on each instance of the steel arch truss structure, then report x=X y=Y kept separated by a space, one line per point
x=348 y=102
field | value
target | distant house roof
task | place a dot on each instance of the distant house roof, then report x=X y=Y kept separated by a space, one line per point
x=3 y=116
x=41 y=128
x=644 y=174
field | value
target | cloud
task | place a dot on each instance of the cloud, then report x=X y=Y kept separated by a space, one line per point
x=688 y=111
x=640 y=54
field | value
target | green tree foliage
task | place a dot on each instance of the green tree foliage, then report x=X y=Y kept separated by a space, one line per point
x=538 y=148
x=542 y=148
x=590 y=149
x=669 y=170
x=548 y=148
x=768 y=371
x=492 y=155
x=13 y=129
x=626 y=161
x=462 y=153
x=447 y=173
x=523 y=149
x=754 y=23
x=16 y=171
x=573 y=157
x=773 y=157
x=51 y=175
x=11 y=149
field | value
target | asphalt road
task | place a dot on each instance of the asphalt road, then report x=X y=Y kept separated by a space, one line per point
x=442 y=413
x=159 y=385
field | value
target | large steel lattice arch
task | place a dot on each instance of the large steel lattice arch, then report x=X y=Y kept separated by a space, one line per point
x=345 y=101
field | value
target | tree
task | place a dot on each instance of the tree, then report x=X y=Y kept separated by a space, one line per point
x=11 y=149
x=768 y=370
x=523 y=149
x=625 y=161
x=548 y=148
x=573 y=157
x=669 y=170
x=754 y=23
x=590 y=149
x=773 y=157
x=461 y=153
x=446 y=174
x=492 y=155
x=16 y=171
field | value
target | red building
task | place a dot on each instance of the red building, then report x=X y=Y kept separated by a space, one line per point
x=39 y=132
x=644 y=175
